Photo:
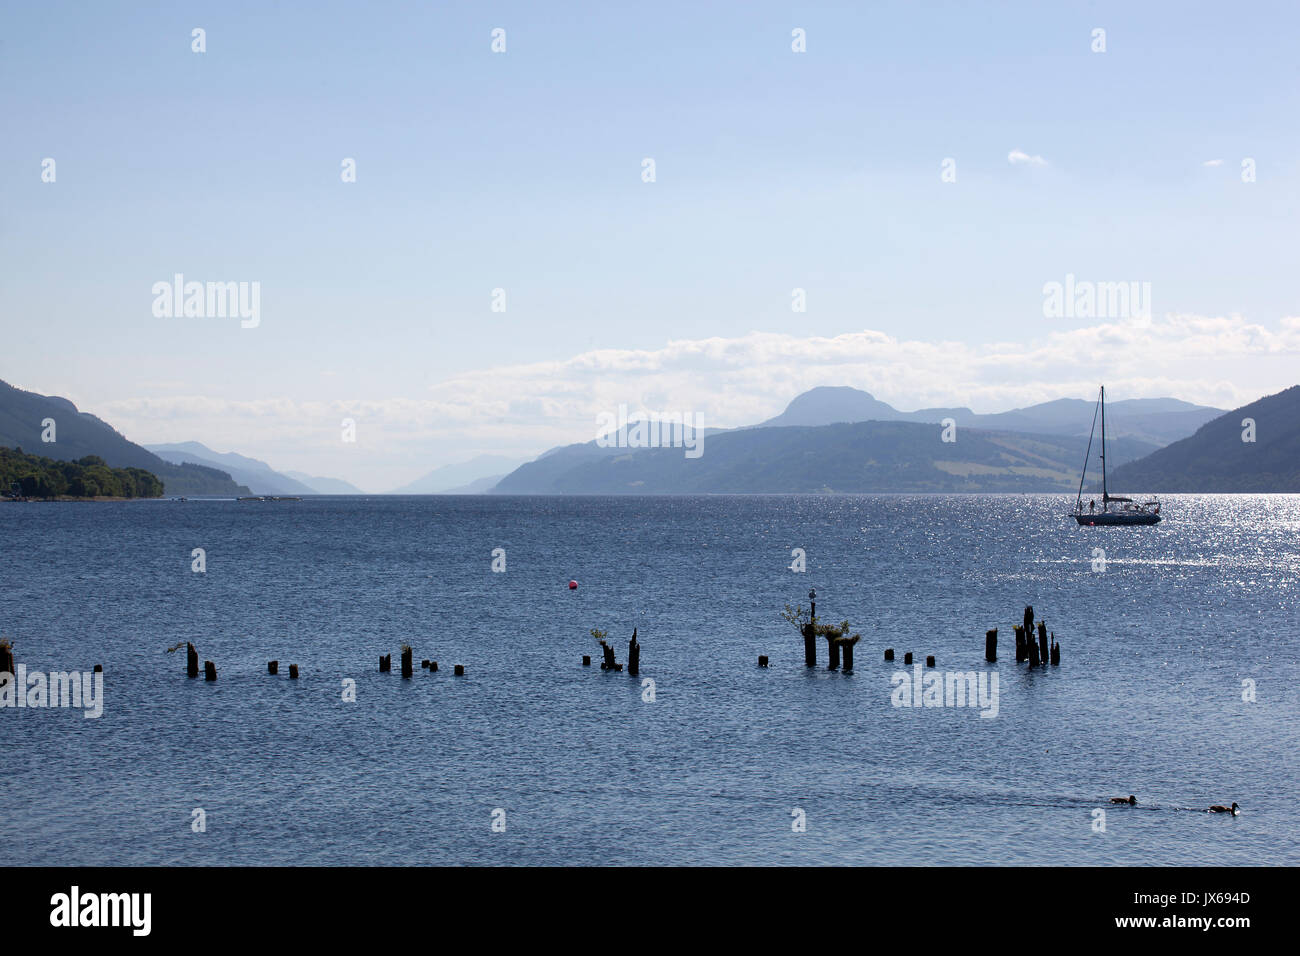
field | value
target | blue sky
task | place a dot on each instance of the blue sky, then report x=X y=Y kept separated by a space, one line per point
x=522 y=171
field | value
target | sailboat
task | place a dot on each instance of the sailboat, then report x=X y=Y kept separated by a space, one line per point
x=1114 y=509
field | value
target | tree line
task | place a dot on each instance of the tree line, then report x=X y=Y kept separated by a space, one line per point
x=34 y=477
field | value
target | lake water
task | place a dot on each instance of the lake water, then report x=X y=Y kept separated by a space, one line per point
x=1148 y=698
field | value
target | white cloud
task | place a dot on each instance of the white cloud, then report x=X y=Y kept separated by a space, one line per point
x=1020 y=158
x=524 y=409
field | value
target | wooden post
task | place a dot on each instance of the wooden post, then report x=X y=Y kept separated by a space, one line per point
x=273 y=667
x=1029 y=620
x=1056 y=652
x=191 y=661
x=907 y=658
x=424 y=664
x=7 y=663
x=460 y=670
x=810 y=632
x=633 y=655
x=889 y=653
x=1021 y=653
x=1033 y=653
x=407 y=669
x=929 y=661
x=762 y=660
x=433 y=667
x=209 y=670
x=608 y=663
x=385 y=663
x=991 y=646
x=293 y=671
x=586 y=660
x=1043 y=649
x=833 y=650
x=847 y=651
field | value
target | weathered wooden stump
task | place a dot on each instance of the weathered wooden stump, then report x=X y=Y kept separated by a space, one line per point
x=385 y=663
x=907 y=658
x=929 y=661
x=460 y=670
x=847 y=651
x=433 y=667
x=191 y=661
x=1033 y=653
x=608 y=663
x=99 y=668
x=7 y=660
x=1021 y=652
x=424 y=664
x=407 y=669
x=991 y=645
x=1029 y=620
x=586 y=660
x=209 y=670
x=293 y=671
x=633 y=655
x=762 y=660
x=1043 y=649
x=809 y=646
x=273 y=667
x=833 y=652
x=1056 y=652
x=889 y=653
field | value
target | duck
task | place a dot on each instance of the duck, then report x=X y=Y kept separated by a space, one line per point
x=1219 y=808
x=1130 y=800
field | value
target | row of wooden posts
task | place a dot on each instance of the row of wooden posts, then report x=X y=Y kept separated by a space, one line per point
x=7 y=660
x=608 y=663
x=840 y=648
x=273 y=667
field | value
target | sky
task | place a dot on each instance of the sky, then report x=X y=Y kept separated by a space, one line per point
x=920 y=170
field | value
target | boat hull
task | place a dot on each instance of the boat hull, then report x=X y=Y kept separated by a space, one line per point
x=1117 y=518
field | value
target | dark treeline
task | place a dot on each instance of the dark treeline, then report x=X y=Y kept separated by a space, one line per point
x=87 y=477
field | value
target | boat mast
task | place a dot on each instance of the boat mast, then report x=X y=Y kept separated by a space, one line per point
x=1078 y=499
x=1105 y=497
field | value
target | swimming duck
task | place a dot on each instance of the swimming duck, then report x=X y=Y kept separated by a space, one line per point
x=1130 y=799
x=1219 y=808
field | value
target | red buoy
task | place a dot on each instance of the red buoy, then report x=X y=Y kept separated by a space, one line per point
x=573 y=585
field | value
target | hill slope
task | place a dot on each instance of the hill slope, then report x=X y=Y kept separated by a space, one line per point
x=845 y=458
x=1215 y=459
x=79 y=434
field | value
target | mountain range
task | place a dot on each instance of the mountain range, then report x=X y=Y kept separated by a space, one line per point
x=473 y=477
x=1157 y=420
x=834 y=439
x=829 y=439
x=257 y=475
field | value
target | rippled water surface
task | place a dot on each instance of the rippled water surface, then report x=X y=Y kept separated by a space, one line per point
x=1147 y=700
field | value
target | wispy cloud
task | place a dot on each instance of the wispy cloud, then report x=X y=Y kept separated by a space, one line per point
x=1019 y=157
